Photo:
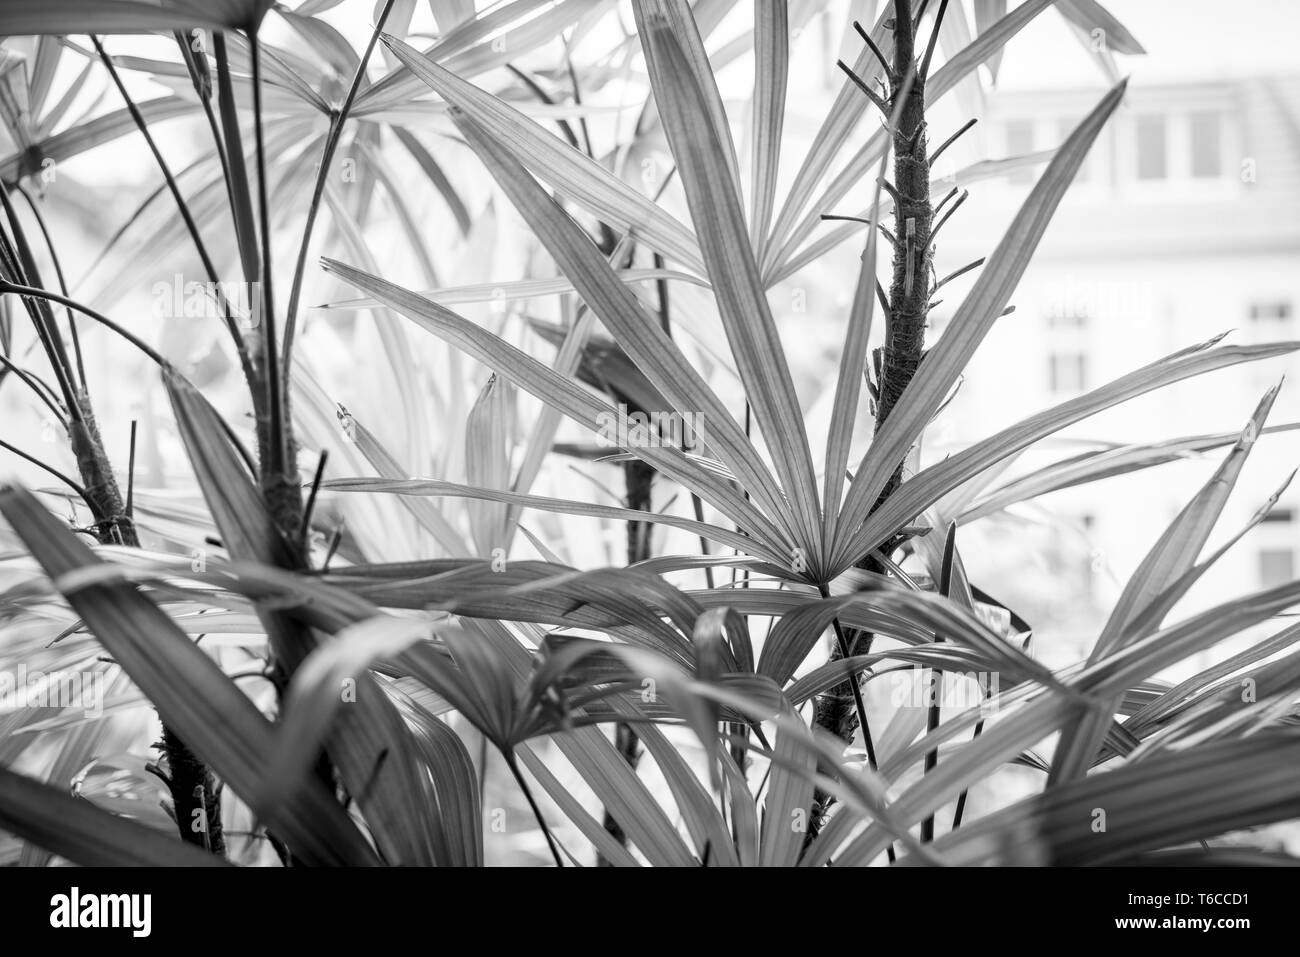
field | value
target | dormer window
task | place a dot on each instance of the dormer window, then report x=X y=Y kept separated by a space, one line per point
x=1207 y=145
x=1152 y=147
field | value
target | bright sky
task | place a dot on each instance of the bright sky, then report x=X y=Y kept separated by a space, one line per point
x=1186 y=40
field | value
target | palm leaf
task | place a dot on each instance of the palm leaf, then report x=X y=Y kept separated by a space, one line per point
x=771 y=65
x=932 y=483
x=981 y=308
x=193 y=696
x=1174 y=799
x=368 y=742
x=555 y=390
x=574 y=174
x=83 y=833
x=733 y=272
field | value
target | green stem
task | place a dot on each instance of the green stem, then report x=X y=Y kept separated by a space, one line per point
x=43 y=391
x=148 y=350
x=532 y=803
x=79 y=489
x=279 y=478
x=183 y=207
x=18 y=262
x=275 y=451
x=63 y=285
x=331 y=146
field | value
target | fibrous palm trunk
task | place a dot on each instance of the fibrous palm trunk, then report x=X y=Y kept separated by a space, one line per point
x=905 y=321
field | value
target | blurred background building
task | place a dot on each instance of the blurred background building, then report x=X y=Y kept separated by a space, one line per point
x=1184 y=223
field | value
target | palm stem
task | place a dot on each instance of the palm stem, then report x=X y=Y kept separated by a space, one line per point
x=532 y=803
x=331 y=146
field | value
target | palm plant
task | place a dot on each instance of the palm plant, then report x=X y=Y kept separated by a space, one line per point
x=386 y=628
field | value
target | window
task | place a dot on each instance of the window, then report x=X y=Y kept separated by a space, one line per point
x=1020 y=141
x=1276 y=566
x=1277 y=555
x=1067 y=359
x=1152 y=162
x=1277 y=310
x=1067 y=372
x=1207 y=153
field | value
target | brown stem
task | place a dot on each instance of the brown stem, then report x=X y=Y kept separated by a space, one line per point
x=189 y=780
x=195 y=797
x=905 y=318
x=913 y=216
x=638 y=478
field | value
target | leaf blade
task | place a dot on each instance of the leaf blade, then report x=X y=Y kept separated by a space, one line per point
x=988 y=297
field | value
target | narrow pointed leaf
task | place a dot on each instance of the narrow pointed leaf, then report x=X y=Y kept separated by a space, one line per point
x=789 y=796
x=771 y=66
x=981 y=308
x=648 y=345
x=733 y=272
x=193 y=696
x=574 y=174
x=555 y=390
x=930 y=484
